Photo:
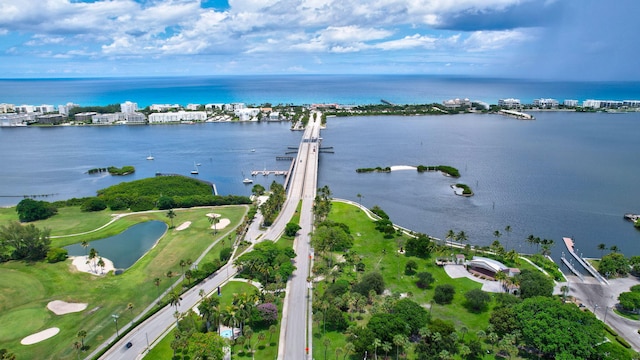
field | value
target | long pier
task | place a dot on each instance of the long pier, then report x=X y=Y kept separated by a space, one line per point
x=568 y=242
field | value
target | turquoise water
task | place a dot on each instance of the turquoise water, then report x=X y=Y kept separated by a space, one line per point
x=301 y=89
x=127 y=247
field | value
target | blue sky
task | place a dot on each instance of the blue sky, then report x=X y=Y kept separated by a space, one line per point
x=545 y=39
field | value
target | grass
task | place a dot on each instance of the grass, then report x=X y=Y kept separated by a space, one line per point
x=28 y=287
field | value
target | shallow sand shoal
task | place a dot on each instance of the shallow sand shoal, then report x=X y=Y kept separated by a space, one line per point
x=60 y=307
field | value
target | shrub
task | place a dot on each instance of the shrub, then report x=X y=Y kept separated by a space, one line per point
x=93 y=204
x=291 y=229
x=268 y=312
x=425 y=279
x=477 y=299
x=225 y=254
x=371 y=281
x=444 y=294
x=411 y=267
x=55 y=255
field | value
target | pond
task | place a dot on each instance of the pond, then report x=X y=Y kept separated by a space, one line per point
x=127 y=247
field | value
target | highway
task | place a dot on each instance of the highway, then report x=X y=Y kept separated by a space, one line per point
x=293 y=341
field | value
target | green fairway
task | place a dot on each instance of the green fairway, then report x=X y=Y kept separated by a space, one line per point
x=28 y=287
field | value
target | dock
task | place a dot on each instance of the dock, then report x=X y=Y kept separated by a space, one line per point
x=568 y=242
x=632 y=217
x=516 y=114
x=282 y=158
x=269 y=172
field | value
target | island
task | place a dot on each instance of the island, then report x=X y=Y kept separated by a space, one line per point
x=125 y=170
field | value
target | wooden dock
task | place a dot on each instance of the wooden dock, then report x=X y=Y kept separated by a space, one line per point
x=568 y=242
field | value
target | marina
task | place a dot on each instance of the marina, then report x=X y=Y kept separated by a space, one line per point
x=269 y=172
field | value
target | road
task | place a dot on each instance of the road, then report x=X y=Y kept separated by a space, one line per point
x=601 y=298
x=295 y=318
x=302 y=186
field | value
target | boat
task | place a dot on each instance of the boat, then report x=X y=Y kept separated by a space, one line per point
x=150 y=157
x=195 y=171
x=247 y=181
x=253 y=150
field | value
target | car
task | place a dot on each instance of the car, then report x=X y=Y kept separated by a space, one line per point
x=129 y=345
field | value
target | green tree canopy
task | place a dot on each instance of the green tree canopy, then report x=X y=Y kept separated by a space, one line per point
x=370 y=281
x=477 y=299
x=614 y=265
x=534 y=283
x=32 y=210
x=444 y=294
x=20 y=242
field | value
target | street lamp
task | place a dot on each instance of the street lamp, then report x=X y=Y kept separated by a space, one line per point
x=115 y=319
x=606 y=310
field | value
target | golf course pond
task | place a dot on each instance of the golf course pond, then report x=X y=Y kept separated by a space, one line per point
x=125 y=248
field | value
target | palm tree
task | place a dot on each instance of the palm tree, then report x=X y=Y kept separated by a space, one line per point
x=93 y=253
x=602 y=248
x=399 y=341
x=449 y=236
x=76 y=345
x=339 y=352
x=614 y=248
x=174 y=299
x=261 y=337
x=85 y=245
x=461 y=237
x=82 y=334
x=183 y=263
x=214 y=220
x=464 y=331
x=348 y=349
x=171 y=214
x=102 y=264
x=500 y=276
x=497 y=234
x=386 y=347
x=169 y=274
x=507 y=229
x=326 y=342
x=188 y=275
x=376 y=342
x=272 y=330
x=130 y=307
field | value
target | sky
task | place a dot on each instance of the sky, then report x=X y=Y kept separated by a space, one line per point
x=539 y=39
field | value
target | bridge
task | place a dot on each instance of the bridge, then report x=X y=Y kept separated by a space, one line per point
x=295 y=332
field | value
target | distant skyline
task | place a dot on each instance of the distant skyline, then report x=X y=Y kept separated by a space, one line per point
x=537 y=39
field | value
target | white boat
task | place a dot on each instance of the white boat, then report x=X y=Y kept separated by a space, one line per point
x=195 y=171
x=247 y=181
x=253 y=150
x=150 y=157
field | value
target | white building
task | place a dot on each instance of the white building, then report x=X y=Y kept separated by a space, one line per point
x=509 y=103
x=246 y=114
x=546 y=103
x=172 y=117
x=128 y=107
x=45 y=109
x=135 y=118
x=105 y=119
x=64 y=109
x=590 y=103
x=192 y=107
x=456 y=103
x=219 y=106
x=11 y=120
x=631 y=103
x=26 y=109
x=163 y=107
x=570 y=103
x=234 y=106
x=7 y=108
x=274 y=116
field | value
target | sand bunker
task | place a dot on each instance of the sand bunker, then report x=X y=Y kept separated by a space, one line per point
x=222 y=224
x=183 y=226
x=60 y=307
x=82 y=263
x=211 y=215
x=39 y=336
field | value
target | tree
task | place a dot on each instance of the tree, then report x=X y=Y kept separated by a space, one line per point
x=24 y=242
x=419 y=246
x=326 y=342
x=477 y=299
x=425 y=279
x=557 y=329
x=82 y=334
x=272 y=330
x=534 y=283
x=31 y=210
x=257 y=190
x=444 y=294
x=93 y=204
x=376 y=344
x=602 y=247
x=411 y=314
x=214 y=220
x=85 y=245
x=630 y=301
x=156 y=282
x=370 y=281
x=348 y=349
x=614 y=248
x=451 y=235
x=171 y=214
x=399 y=341
x=613 y=265
x=206 y=346
x=291 y=229
x=410 y=267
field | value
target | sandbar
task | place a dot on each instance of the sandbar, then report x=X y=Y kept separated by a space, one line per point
x=402 y=167
x=60 y=307
x=40 y=336
x=82 y=263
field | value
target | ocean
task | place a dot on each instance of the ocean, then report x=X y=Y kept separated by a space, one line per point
x=302 y=89
x=563 y=174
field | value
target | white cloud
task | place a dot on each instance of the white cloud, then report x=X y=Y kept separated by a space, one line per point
x=494 y=40
x=409 y=42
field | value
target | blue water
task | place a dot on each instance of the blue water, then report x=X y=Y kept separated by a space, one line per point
x=301 y=89
x=127 y=247
x=564 y=174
